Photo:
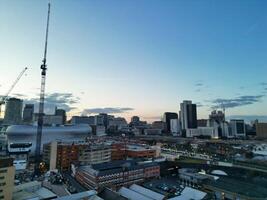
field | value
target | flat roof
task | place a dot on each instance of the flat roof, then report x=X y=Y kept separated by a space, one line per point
x=190 y=193
x=78 y=196
x=147 y=192
x=239 y=187
x=130 y=194
x=116 y=166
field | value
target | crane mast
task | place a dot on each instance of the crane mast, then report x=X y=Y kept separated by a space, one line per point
x=41 y=103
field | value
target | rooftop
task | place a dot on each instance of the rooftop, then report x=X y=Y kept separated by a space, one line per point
x=116 y=166
x=233 y=185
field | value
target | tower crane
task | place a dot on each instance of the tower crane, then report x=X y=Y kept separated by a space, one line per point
x=4 y=98
x=41 y=104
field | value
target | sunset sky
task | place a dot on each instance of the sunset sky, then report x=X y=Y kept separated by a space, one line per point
x=130 y=57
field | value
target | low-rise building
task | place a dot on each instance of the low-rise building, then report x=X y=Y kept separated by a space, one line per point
x=60 y=155
x=94 y=154
x=138 y=151
x=261 y=130
x=152 y=131
x=116 y=174
x=120 y=151
x=203 y=131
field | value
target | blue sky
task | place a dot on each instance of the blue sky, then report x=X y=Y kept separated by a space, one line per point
x=146 y=56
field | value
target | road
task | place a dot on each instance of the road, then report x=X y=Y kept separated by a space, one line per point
x=74 y=183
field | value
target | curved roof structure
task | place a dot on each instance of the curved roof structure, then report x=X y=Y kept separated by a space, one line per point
x=219 y=172
x=27 y=133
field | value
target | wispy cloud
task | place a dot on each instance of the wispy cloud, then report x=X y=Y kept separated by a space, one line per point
x=263 y=83
x=199 y=84
x=236 y=102
x=108 y=110
x=199 y=104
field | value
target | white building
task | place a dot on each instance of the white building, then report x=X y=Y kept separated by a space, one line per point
x=238 y=127
x=203 y=131
x=175 y=126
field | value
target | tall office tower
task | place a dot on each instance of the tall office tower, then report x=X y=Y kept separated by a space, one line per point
x=167 y=116
x=7 y=173
x=105 y=119
x=99 y=120
x=188 y=115
x=13 y=111
x=62 y=113
x=28 y=113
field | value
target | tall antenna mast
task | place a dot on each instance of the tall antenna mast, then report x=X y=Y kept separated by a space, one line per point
x=41 y=103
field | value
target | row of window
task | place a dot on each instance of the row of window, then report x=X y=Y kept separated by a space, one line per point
x=3 y=171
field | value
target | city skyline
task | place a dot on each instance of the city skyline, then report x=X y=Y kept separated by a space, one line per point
x=139 y=58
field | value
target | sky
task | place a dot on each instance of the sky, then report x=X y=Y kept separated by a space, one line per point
x=138 y=57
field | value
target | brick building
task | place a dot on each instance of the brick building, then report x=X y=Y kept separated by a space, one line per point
x=116 y=174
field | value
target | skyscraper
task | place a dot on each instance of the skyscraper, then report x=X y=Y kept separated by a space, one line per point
x=188 y=115
x=167 y=119
x=61 y=112
x=28 y=113
x=13 y=111
x=105 y=119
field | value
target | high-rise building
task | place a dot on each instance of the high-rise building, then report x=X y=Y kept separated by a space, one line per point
x=238 y=127
x=105 y=119
x=62 y=113
x=167 y=119
x=217 y=116
x=99 y=120
x=188 y=115
x=13 y=111
x=28 y=113
x=7 y=173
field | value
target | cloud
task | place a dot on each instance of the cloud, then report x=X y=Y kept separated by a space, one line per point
x=18 y=95
x=199 y=105
x=199 y=84
x=236 y=102
x=263 y=83
x=107 y=110
x=249 y=118
x=61 y=100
